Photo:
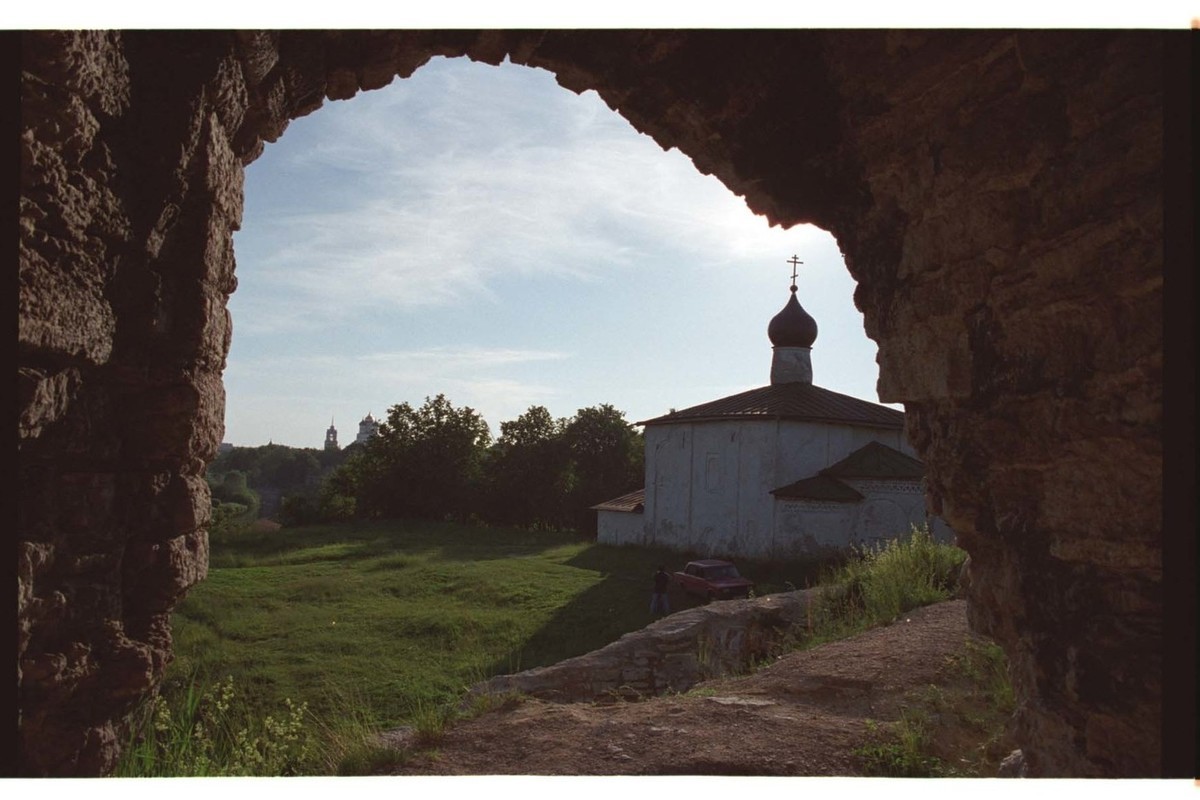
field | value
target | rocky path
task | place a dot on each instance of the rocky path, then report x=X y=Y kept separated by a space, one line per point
x=803 y=715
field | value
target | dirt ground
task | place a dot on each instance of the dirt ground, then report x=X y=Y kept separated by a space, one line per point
x=803 y=715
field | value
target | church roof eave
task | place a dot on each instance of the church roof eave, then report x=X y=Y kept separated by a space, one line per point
x=818 y=487
x=632 y=503
x=789 y=401
x=877 y=461
x=872 y=461
x=666 y=420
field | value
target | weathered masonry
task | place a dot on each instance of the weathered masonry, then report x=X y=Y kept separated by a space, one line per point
x=998 y=195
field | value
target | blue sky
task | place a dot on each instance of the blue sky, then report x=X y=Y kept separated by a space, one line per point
x=481 y=232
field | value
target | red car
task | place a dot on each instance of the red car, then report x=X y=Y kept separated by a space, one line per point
x=713 y=580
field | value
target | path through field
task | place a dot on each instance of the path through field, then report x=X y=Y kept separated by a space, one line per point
x=804 y=715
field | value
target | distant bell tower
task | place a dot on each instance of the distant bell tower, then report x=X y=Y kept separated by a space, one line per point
x=331 y=437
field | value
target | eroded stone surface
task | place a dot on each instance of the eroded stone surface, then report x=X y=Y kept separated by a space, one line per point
x=670 y=655
x=997 y=196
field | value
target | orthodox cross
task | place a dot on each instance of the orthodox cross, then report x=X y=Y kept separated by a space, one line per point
x=795 y=262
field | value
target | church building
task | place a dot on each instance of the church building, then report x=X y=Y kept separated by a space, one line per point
x=367 y=428
x=783 y=471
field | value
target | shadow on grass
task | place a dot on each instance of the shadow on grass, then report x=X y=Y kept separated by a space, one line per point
x=620 y=602
x=360 y=541
x=604 y=592
x=769 y=576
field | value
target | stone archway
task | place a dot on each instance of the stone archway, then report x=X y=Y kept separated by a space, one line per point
x=997 y=195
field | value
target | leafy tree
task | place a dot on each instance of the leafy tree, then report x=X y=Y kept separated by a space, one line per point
x=232 y=488
x=273 y=466
x=333 y=507
x=286 y=468
x=529 y=471
x=297 y=509
x=327 y=503
x=239 y=458
x=426 y=462
x=606 y=459
x=234 y=503
x=435 y=462
x=331 y=459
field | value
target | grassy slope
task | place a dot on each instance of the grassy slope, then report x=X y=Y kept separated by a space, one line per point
x=397 y=617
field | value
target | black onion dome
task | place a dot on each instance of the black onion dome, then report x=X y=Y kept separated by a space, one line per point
x=792 y=327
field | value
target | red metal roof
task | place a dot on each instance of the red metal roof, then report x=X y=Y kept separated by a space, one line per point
x=634 y=502
x=793 y=401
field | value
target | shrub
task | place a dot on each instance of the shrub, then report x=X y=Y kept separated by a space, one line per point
x=904 y=753
x=296 y=510
x=877 y=584
x=228 y=516
x=337 y=507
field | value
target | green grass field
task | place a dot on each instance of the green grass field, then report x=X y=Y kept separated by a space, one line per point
x=400 y=618
x=305 y=642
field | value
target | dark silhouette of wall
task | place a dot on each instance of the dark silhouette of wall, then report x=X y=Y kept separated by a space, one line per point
x=998 y=196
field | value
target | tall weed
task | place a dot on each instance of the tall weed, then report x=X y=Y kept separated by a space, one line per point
x=350 y=742
x=877 y=584
x=986 y=666
x=903 y=753
x=206 y=731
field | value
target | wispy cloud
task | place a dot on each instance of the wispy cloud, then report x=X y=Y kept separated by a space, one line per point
x=393 y=363
x=484 y=233
x=371 y=215
x=290 y=392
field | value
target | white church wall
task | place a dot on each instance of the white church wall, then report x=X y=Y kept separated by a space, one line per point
x=892 y=507
x=668 y=485
x=755 y=512
x=801 y=449
x=708 y=489
x=880 y=519
x=620 y=528
x=806 y=448
x=811 y=527
x=716 y=479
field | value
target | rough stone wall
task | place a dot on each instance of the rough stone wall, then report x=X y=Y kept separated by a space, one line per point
x=672 y=654
x=129 y=197
x=1020 y=323
x=995 y=194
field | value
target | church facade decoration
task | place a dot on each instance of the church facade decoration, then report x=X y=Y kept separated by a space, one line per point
x=787 y=470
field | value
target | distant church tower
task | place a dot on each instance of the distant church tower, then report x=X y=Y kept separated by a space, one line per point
x=331 y=437
x=366 y=429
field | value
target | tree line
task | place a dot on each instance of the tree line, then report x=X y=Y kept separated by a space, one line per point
x=438 y=461
x=246 y=482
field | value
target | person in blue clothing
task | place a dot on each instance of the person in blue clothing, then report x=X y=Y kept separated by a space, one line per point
x=659 y=604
